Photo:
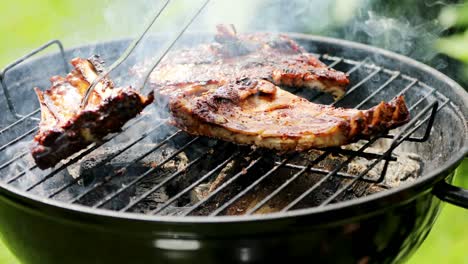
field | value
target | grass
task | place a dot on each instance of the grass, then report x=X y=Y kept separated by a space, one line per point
x=5 y=256
x=448 y=241
x=26 y=24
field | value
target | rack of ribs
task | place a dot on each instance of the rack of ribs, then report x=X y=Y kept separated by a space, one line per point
x=257 y=112
x=65 y=128
x=278 y=59
x=229 y=89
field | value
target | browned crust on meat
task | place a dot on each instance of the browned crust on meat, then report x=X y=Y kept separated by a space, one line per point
x=65 y=129
x=276 y=58
x=259 y=113
x=228 y=90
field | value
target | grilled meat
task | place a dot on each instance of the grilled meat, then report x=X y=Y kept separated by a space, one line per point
x=229 y=90
x=65 y=128
x=277 y=59
x=259 y=113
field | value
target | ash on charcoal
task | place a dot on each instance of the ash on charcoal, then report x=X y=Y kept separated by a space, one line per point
x=406 y=168
x=160 y=196
x=116 y=171
x=212 y=153
x=202 y=190
x=162 y=168
x=106 y=155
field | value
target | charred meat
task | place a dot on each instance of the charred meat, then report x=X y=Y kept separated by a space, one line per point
x=229 y=90
x=65 y=128
x=257 y=112
x=278 y=59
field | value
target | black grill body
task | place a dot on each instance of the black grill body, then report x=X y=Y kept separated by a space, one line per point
x=385 y=227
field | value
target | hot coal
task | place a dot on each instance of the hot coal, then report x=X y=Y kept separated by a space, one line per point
x=406 y=168
x=98 y=168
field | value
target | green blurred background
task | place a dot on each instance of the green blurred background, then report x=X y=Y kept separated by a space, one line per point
x=435 y=31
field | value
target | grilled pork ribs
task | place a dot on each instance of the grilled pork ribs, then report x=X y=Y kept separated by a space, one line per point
x=229 y=90
x=278 y=59
x=65 y=128
x=259 y=113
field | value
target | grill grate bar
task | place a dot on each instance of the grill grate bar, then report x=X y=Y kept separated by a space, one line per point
x=22 y=119
x=286 y=183
x=107 y=159
x=224 y=185
x=329 y=175
x=323 y=171
x=201 y=179
x=409 y=86
x=352 y=89
x=8 y=163
x=19 y=138
x=161 y=184
x=21 y=174
x=85 y=152
x=398 y=140
x=357 y=66
x=336 y=62
x=366 y=155
x=139 y=178
x=255 y=183
x=107 y=179
x=391 y=79
x=422 y=99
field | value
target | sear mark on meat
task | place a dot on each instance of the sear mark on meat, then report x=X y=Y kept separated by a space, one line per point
x=267 y=116
x=233 y=95
x=64 y=128
x=276 y=58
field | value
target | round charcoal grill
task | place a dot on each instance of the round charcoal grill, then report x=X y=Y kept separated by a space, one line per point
x=155 y=193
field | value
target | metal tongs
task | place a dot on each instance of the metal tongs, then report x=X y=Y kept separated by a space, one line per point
x=132 y=47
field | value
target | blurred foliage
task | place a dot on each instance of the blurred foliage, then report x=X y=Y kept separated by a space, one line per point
x=410 y=27
x=27 y=24
x=456 y=45
x=5 y=256
x=448 y=240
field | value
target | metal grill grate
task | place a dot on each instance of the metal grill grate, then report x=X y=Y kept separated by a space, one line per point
x=110 y=189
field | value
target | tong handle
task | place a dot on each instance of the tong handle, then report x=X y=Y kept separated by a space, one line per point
x=122 y=58
x=3 y=85
x=151 y=69
x=132 y=47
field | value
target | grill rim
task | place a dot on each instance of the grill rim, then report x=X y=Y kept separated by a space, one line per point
x=352 y=208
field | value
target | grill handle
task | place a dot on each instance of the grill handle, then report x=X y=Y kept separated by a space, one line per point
x=452 y=194
x=3 y=85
